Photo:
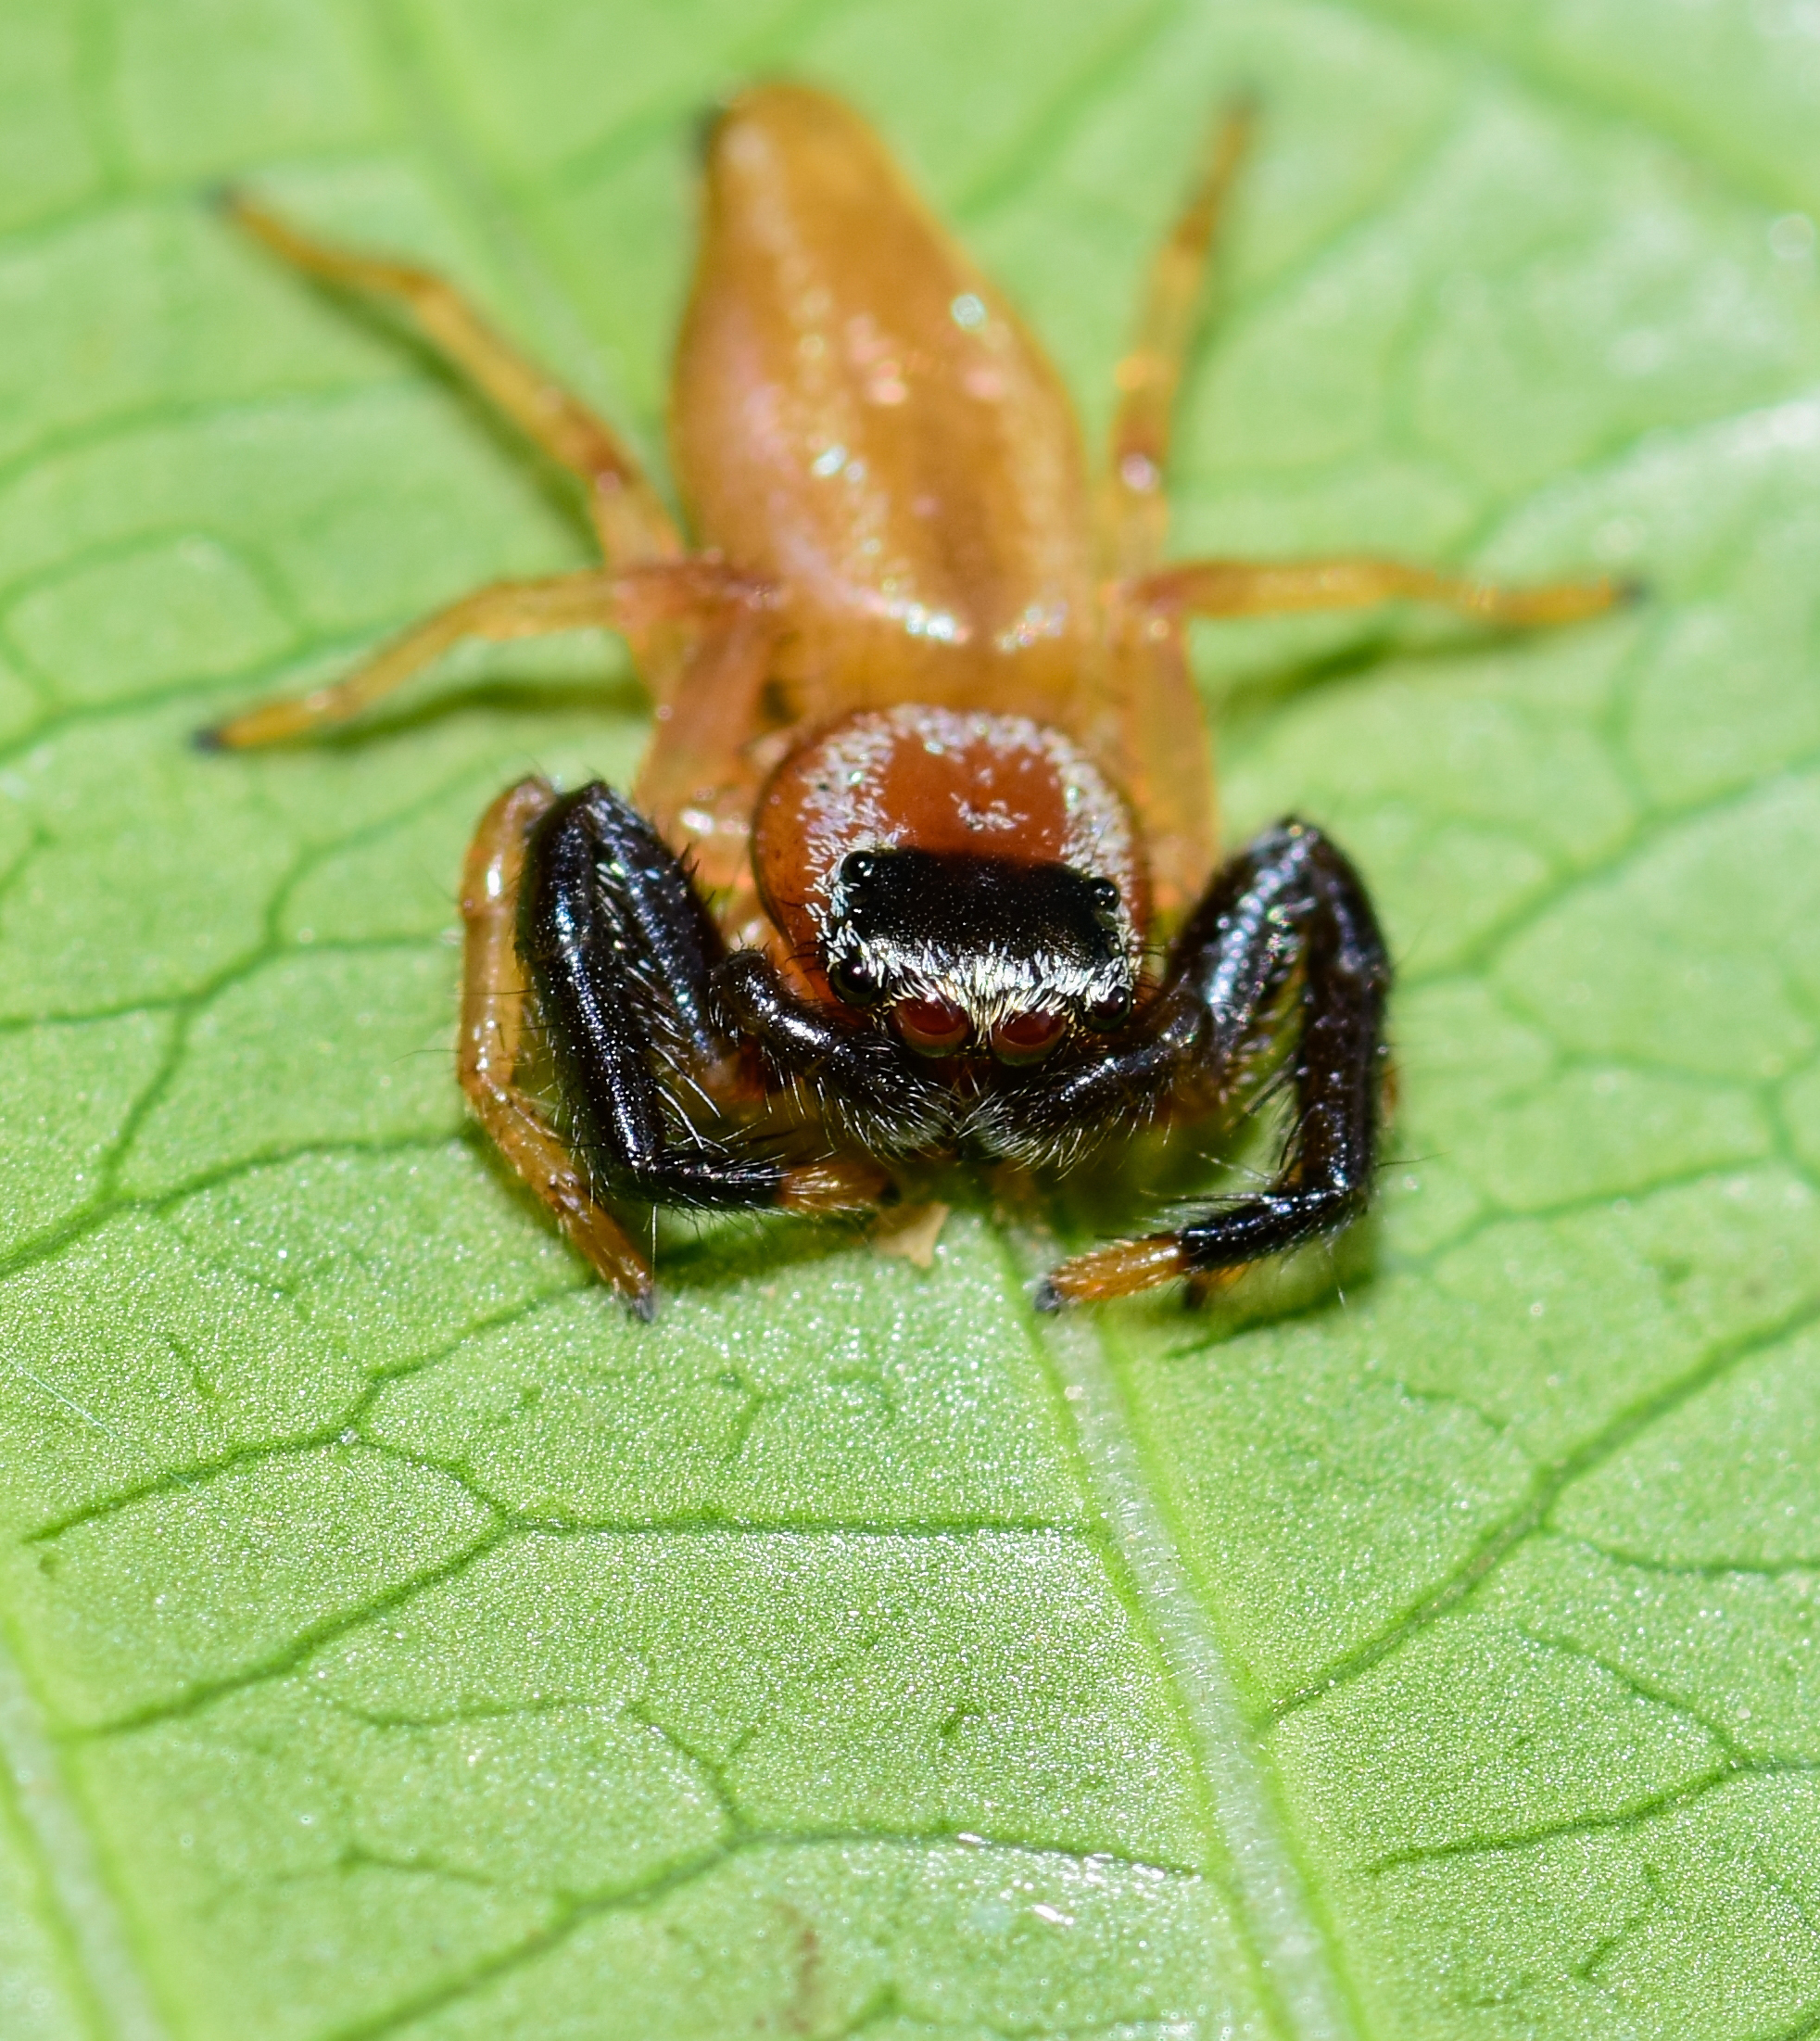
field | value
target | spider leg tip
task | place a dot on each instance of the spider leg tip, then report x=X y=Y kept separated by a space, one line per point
x=208 y=738
x=1047 y=1298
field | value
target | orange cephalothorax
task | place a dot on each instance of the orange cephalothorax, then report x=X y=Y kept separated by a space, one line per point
x=924 y=732
x=975 y=874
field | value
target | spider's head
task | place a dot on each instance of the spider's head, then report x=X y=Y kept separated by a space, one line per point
x=961 y=951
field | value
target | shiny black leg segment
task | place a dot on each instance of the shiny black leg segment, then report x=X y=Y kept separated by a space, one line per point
x=1225 y=970
x=860 y=1077
x=1288 y=914
x=1293 y=897
x=622 y=953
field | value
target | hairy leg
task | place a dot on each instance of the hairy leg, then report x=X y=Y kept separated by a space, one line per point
x=628 y=516
x=1134 y=510
x=1261 y=588
x=698 y=591
x=625 y=956
x=493 y=999
x=1290 y=903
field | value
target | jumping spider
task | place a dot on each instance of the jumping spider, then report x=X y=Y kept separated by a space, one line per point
x=925 y=731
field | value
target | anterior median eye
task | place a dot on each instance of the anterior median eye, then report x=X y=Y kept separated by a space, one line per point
x=1027 y=1037
x=931 y=1027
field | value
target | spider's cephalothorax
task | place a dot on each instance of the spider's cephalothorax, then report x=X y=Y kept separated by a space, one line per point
x=925 y=734
x=972 y=881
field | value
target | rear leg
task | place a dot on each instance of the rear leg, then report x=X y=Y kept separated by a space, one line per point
x=627 y=515
x=1134 y=508
x=1156 y=730
x=1161 y=741
x=1265 y=588
x=704 y=665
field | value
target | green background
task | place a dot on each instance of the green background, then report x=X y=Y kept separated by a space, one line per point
x=399 y=1642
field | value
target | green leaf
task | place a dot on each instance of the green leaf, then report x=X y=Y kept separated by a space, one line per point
x=1421 y=1643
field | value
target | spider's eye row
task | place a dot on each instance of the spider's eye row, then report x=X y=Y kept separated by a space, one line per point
x=852 y=984
x=1112 y=1011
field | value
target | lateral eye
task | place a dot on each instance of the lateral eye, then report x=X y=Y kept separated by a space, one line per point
x=1105 y=895
x=858 y=866
x=852 y=984
x=1112 y=1011
x=931 y=1027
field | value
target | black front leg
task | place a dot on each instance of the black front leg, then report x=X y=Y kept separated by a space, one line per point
x=1225 y=970
x=1290 y=903
x=1322 y=918
x=862 y=1080
x=621 y=952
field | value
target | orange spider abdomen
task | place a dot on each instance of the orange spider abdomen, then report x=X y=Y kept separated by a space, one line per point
x=861 y=420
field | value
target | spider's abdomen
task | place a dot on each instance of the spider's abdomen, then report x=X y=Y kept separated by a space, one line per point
x=860 y=419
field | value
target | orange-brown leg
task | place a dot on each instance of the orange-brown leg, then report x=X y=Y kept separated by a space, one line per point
x=1152 y=708
x=1122 y=1269
x=1162 y=736
x=1135 y=509
x=700 y=779
x=1127 y=1268
x=1153 y=715
x=1158 y=736
x=1264 y=588
x=630 y=519
x=699 y=591
x=704 y=666
x=493 y=999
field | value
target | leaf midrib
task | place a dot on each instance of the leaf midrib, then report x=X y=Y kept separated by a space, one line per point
x=1300 y=1970
x=89 y=1927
